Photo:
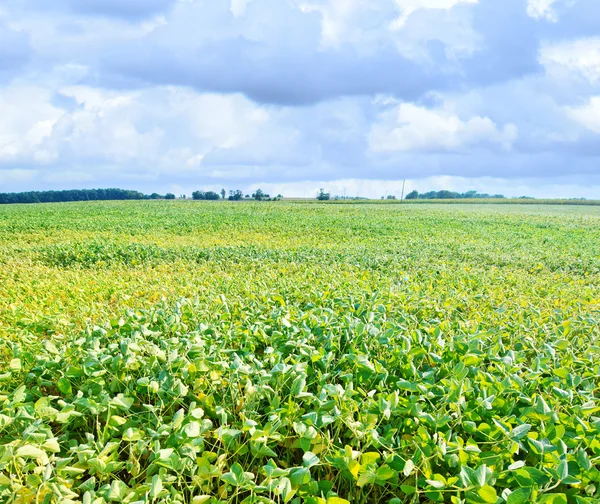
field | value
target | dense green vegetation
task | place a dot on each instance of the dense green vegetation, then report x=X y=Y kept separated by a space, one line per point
x=72 y=195
x=202 y=195
x=413 y=195
x=182 y=351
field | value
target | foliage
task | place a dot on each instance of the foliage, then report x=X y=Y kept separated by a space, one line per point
x=208 y=195
x=413 y=195
x=170 y=196
x=260 y=195
x=236 y=195
x=299 y=352
x=322 y=195
x=70 y=195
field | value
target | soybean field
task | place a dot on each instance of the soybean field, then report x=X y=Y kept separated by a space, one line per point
x=299 y=352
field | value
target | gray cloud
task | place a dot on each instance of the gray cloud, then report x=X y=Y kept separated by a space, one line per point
x=288 y=65
x=101 y=93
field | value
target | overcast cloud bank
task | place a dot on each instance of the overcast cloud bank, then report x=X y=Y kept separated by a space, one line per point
x=168 y=95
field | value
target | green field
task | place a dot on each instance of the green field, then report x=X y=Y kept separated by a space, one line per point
x=155 y=351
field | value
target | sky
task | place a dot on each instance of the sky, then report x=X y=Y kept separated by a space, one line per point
x=499 y=96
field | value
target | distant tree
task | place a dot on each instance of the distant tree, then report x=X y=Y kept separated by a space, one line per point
x=235 y=195
x=223 y=193
x=444 y=194
x=447 y=195
x=391 y=197
x=169 y=196
x=182 y=196
x=71 y=195
x=259 y=195
x=279 y=196
x=247 y=196
x=323 y=196
x=209 y=195
x=155 y=196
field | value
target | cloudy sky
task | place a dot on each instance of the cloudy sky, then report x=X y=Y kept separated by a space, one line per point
x=293 y=95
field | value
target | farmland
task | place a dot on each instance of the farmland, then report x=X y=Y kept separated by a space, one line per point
x=155 y=351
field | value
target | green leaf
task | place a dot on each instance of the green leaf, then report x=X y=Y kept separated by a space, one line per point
x=583 y=460
x=385 y=472
x=192 y=430
x=520 y=431
x=563 y=470
x=285 y=489
x=201 y=499
x=471 y=360
x=118 y=490
x=519 y=496
x=309 y=459
x=436 y=484
x=230 y=478
x=407 y=489
x=156 y=487
x=64 y=385
x=131 y=435
x=298 y=385
x=488 y=494
x=299 y=476
x=29 y=451
x=555 y=498
x=122 y=402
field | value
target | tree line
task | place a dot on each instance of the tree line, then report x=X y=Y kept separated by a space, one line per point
x=122 y=194
x=451 y=195
x=237 y=195
x=74 y=195
x=322 y=195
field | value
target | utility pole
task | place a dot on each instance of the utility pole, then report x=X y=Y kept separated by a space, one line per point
x=402 y=197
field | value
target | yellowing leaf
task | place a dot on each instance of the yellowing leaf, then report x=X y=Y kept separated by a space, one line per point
x=488 y=494
x=337 y=500
x=29 y=451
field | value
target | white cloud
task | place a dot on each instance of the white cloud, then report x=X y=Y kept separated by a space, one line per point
x=407 y=7
x=164 y=130
x=542 y=9
x=368 y=26
x=573 y=57
x=238 y=7
x=408 y=127
x=26 y=120
x=588 y=115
